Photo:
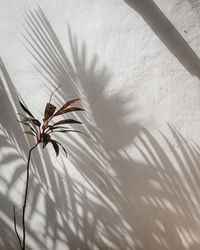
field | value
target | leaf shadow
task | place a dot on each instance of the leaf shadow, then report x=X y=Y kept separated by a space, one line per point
x=117 y=201
x=120 y=184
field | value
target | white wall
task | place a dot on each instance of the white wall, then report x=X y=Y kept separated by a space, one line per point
x=135 y=183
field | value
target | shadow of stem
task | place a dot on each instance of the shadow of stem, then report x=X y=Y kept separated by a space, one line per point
x=167 y=33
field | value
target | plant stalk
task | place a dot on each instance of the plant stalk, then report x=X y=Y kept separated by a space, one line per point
x=23 y=242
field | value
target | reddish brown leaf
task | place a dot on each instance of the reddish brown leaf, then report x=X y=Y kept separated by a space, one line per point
x=55 y=146
x=46 y=138
x=53 y=128
x=66 y=105
x=50 y=126
x=36 y=122
x=70 y=130
x=29 y=119
x=66 y=121
x=29 y=133
x=26 y=110
x=24 y=121
x=49 y=110
x=21 y=114
x=28 y=125
x=62 y=147
x=68 y=110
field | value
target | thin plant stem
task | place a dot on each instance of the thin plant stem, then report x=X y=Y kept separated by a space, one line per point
x=23 y=242
x=25 y=197
x=55 y=91
x=15 y=226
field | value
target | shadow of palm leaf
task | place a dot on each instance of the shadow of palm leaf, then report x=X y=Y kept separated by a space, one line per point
x=168 y=192
x=127 y=210
x=13 y=148
x=91 y=81
x=42 y=186
x=112 y=200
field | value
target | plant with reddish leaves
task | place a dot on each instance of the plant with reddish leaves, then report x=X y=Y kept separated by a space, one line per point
x=42 y=133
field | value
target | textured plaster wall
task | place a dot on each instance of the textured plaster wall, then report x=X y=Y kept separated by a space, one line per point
x=135 y=183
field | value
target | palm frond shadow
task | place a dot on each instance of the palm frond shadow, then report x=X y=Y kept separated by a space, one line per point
x=13 y=147
x=174 y=195
x=128 y=201
x=43 y=178
x=41 y=182
x=125 y=203
x=83 y=77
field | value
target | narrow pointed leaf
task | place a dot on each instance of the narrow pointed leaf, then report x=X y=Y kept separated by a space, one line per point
x=68 y=110
x=29 y=119
x=28 y=125
x=70 y=130
x=45 y=143
x=36 y=122
x=46 y=139
x=29 y=133
x=21 y=114
x=52 y=127
x=55 y=146
x=49 y=110
x=24 y=121
x=26 y=110
x=66 y=121
x=66 y=105
x=62 y=147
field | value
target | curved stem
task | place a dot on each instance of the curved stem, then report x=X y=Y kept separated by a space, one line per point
x=55 y=91
x=25 y=197
x=15 y=227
